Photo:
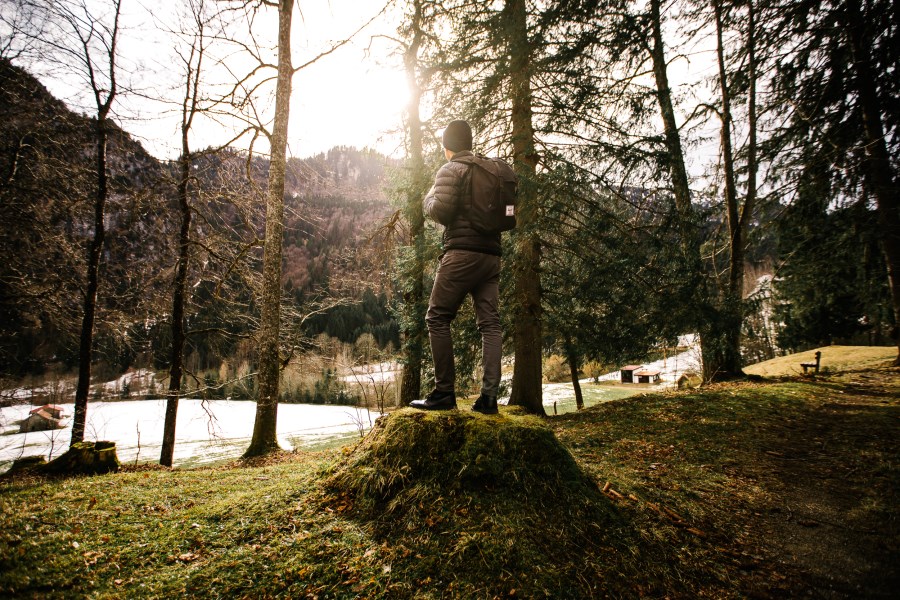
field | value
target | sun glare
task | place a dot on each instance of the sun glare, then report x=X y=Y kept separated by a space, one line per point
x=347 y=101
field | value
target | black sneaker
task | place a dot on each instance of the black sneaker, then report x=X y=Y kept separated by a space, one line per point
x=486 y=405
x=436 y=401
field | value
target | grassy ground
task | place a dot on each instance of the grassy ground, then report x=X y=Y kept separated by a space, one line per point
x=834 y=359
x=775 y=489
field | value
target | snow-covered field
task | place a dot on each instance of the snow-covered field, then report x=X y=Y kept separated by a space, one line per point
x=216 y=430
x=205 y=431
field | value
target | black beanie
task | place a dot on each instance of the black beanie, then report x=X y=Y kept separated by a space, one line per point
x=458 y=136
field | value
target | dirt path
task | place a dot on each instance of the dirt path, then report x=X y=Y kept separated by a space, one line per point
x=829 y=522
x=781 y=488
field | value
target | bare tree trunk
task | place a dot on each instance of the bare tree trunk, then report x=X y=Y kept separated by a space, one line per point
x=179 y=292
x=104 y=99
x=411 y=384
x=85 y=349
x=726 y=348
x=713 y=323
x=878 y=168
x=176 y=368
x=678 y=171
x=527 y=390
x=264 y=428
x=189 y=109
x=574 y=364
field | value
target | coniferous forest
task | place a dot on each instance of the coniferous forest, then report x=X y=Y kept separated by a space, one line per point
x=753 y=202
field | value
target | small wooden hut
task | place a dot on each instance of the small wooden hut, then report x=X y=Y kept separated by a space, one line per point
x=647 y=376
x=628 y=371
x=43 y=418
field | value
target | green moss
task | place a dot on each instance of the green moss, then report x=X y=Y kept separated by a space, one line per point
x=482 y=501
x=456 y=450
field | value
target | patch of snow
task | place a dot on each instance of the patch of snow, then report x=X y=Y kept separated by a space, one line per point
x=383 y=372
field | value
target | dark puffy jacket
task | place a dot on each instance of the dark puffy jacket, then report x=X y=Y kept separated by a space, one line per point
x=446 y=203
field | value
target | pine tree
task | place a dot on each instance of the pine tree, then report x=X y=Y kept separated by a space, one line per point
x=836 y=96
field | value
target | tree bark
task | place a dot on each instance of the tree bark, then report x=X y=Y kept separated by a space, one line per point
x=527 y=390
x=881 y=177
x=179 y=291
x=574 y=364
x=680 y=186
x=178 y=329
x=86 y=341
x=411 y=384
x=264 y=428
x=95 y=252
x=724 y=351
x=179 y=283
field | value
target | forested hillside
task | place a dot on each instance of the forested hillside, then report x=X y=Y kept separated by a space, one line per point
x=334 y=200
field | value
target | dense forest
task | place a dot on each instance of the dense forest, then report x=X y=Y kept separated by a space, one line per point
x=755 y=204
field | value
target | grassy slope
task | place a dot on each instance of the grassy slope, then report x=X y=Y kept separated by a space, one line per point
x=834 y=358
x=776 y=488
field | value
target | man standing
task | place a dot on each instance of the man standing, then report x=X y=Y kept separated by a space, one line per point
x=469 y=265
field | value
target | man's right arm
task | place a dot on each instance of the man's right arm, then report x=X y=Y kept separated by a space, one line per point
x=442 y=200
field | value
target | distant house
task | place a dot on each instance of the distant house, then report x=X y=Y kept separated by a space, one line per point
x=43 y=418
x=647 y=376
x=628 y=373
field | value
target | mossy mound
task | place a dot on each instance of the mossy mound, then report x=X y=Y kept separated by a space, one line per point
x=457 y=450
x=27 y=463
x=485 y=504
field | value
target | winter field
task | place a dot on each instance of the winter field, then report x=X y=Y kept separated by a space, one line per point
x=206 y=431
x=217 y=430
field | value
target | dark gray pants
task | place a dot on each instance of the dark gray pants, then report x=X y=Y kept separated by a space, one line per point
x=463 y=272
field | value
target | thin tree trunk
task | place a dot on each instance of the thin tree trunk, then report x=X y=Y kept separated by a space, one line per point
x=176 y=368
x=727 y=347
x=574 y=364
x=680 y=186
x=411 y=384
x=85 y=350
x=179 y=284
x=104 y=105
x=264 y=428
x=878 y=168
x=527 y=372
x=708 y=324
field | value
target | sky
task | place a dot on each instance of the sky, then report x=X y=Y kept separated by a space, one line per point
x=354 y=96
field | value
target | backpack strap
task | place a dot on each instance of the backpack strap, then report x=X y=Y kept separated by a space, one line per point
x=465 y=189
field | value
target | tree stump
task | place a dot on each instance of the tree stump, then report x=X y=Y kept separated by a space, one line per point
x=85 y=458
